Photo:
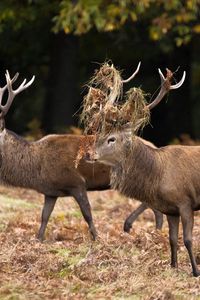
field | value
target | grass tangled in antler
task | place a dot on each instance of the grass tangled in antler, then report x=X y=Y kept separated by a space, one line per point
x=134 y=110
x=104 y=108
x=108 y=80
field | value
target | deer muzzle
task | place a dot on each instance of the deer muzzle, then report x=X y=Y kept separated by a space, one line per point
x=91 y=157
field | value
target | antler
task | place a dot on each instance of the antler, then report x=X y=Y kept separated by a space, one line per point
x=133 y=75
x=165 y=87
x=12 y=93
x=2 y=90
x=116 y=89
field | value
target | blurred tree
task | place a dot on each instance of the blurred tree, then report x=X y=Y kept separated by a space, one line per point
x=33 y=41
x=25 y=38
x=164 y=18
x=62 y=95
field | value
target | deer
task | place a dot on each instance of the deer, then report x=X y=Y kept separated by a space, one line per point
x=166 y=178
x=48 y=166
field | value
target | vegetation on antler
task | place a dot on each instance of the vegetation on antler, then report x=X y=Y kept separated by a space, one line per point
x=108 y=80
x=105 y=109
x=134 y=109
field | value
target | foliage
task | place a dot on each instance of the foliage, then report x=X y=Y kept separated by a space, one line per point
x=175 y=17
x=22 y=13
x=179 y=18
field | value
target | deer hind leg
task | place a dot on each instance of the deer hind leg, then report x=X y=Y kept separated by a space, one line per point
x=133 y=216
x=49 y=203
x=187 y=218
x=158 y=219
x=173 y=222
x=81 y=198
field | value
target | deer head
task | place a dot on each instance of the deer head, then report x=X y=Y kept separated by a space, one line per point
x=110 y=148
x=11 y=95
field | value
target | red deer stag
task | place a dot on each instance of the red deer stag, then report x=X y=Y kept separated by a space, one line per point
x=48 y=166
x=166 y=179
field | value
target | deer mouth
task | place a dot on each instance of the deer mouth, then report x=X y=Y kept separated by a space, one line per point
x=90 y=158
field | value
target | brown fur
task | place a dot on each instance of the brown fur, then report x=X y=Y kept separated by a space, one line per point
x=167 y=179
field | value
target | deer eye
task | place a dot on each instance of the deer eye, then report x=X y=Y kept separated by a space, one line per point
x=111 y=140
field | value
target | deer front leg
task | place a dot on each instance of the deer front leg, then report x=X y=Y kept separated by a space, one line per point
x=133 y=216
x=49 y=203
x=81 y=198
x=173 y=222
x=187 y=218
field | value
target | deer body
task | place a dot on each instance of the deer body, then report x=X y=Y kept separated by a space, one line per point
x=48 y=166
x=166 y=179
x=159 y=176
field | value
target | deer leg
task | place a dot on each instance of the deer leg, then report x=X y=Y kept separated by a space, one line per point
x=81 y=198
x=158 y=219
x=133 y=216
x=187 y=218
x=173 y=222
x=49 y=203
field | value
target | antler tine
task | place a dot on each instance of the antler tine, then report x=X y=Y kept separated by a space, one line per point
x=2 y=90
x=14 y=78
x=165 y=87
x=179 y=84
x=133 y=75
x=12 y=93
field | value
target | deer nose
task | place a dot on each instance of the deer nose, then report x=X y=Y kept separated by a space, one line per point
x=95 y=157
x=87 y=156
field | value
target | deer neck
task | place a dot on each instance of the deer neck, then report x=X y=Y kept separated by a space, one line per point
x=138 y=173
x=19 y=163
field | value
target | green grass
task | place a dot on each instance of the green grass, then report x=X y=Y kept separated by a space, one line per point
x=12 y=204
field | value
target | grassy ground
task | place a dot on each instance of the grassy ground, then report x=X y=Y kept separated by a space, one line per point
x=68 y=265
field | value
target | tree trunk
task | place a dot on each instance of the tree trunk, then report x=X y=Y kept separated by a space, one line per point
x=62 y=97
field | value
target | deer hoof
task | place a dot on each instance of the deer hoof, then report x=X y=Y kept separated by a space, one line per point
x=40 y=238
x=196 y=273
x=93 y=233
x=127 y=227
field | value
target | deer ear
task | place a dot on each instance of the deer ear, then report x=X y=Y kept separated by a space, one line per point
x=138 y=124
x=130 y=129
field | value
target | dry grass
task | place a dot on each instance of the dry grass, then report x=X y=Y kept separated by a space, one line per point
x=70 y=266
x=106 y=108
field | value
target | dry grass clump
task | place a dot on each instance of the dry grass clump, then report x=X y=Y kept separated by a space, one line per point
x=68 y=265
x=108 y=80
x=86 y=146
x=104 y=107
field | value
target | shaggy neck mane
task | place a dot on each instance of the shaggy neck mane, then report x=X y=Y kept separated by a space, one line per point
x=19 y=160
x=138 y=172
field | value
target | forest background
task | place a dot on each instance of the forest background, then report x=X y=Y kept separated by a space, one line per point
x=63 y=42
